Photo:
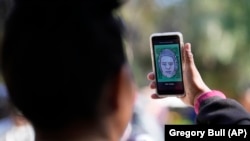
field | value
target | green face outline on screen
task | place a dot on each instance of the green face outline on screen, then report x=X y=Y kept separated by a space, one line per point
x=168 y=63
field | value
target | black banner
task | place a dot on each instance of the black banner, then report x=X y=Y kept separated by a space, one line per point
x=191 y=132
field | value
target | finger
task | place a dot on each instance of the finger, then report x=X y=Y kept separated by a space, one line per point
x=153 y=85
x=184 y=54
x=155 y=96
x=151 y=76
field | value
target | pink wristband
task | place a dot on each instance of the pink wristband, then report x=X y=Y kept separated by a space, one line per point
x=205 y=96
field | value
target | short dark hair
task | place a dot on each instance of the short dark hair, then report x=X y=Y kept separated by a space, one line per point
x=57 y=56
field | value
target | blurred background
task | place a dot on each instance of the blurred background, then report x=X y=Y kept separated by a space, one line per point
x=219 y=32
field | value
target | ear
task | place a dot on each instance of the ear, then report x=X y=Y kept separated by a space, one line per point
x=122 y=90
x=122 y=99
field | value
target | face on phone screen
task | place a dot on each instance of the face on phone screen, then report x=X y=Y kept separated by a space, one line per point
x=167 y=63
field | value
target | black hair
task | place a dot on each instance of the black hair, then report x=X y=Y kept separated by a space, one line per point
x=57 y=56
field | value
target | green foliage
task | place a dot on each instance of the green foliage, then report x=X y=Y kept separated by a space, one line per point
x=218 y=31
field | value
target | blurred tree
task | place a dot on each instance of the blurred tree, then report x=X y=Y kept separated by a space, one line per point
x=219 y=33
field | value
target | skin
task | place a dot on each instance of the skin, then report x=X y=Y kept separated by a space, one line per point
x=167 y=66
x=193 y=83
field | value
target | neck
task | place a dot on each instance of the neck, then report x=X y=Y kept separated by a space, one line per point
x=82 y=132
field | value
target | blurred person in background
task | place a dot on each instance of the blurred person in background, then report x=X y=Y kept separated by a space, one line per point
x=5 y=112
x=13 y=125
x=20 y=129
x=52 y=78
x=145 y=125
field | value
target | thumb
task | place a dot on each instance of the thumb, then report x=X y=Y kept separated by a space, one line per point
x=188 y=55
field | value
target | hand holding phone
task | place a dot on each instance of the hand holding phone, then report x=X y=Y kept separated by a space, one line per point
x=167 y=63
x=194 y=84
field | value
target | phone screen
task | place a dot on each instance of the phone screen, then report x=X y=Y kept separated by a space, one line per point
x=167 y=63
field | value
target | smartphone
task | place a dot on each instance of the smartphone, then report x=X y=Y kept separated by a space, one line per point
x=167 y=63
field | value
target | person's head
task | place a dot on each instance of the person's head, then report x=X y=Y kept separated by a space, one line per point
x=168 y=63
x=64 y=64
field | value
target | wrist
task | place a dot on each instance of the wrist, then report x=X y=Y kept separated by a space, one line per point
x=204 y=96
x=201 y=92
